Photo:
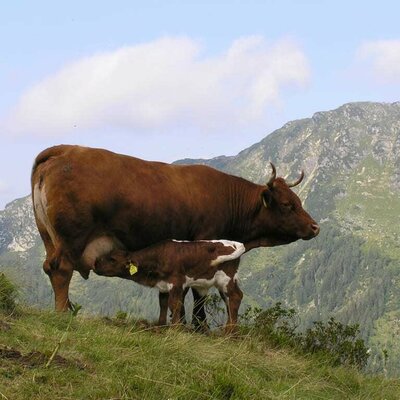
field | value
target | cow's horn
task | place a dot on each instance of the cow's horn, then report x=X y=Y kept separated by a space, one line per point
x=273 y=176
x=295 y=183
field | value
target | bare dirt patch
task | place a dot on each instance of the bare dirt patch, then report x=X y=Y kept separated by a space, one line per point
x=35 y=358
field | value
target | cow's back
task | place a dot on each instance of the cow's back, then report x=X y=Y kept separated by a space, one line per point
x=92 y=192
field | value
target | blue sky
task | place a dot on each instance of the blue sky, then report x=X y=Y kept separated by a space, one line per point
x=169 y=80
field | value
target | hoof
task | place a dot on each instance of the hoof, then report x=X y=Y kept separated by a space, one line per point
x=231 y=330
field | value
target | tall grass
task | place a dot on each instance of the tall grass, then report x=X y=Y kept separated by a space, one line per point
x=114 y=359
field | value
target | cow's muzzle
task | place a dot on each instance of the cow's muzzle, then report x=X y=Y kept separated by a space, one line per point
x=314 y=231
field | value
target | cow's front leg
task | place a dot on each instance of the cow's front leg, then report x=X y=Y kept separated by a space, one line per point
x=235 y=296
x=175 y=302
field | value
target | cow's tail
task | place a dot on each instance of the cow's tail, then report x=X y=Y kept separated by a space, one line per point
x=44 y=156
x=40 y=204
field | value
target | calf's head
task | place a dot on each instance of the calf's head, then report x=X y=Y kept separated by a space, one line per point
x=113 y=264
x=282 y=213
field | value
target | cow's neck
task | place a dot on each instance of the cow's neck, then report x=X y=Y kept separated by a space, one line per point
x=263 y=242
x=244 y=209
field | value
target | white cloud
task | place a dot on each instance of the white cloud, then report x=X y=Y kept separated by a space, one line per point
x=162 y=84
x=382 y=59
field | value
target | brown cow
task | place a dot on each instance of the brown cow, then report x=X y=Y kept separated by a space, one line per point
x=88 y=202
x=172 y=266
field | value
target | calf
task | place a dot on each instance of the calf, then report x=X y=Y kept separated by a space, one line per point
x=171 y=266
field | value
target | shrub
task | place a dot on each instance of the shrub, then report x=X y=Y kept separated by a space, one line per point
x=8 y=295
x=121 y=315
x=336 y=341
x=276 y=325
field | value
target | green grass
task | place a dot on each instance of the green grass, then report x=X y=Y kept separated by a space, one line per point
x=117 y=360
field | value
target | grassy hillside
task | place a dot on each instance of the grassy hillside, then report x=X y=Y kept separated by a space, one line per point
x=110 y=359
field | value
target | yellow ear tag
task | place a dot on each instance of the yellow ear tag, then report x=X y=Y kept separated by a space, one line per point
x=132 y=268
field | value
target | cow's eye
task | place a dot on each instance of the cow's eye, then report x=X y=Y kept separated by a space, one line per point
x=288 y=206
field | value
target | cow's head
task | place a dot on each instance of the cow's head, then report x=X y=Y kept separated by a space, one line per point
x=282 y=213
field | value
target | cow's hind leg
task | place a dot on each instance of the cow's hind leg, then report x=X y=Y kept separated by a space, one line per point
x=60 y=273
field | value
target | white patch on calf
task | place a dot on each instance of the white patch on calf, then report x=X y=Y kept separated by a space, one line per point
x=238 y=247
x=201 y=285
x=220 y=280
x=164 y=287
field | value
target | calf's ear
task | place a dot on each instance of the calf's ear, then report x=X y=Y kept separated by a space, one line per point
x=132 y=267
x=266 y=198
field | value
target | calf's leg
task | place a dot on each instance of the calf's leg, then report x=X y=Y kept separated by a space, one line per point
x=235 y=296
x=163 y=301
x=175 y=302
x=183 y=314
x=224 y=297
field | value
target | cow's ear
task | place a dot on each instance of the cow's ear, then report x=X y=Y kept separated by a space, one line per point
x=266 y=198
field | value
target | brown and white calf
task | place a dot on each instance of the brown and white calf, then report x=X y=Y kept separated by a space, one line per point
x=171 y=266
